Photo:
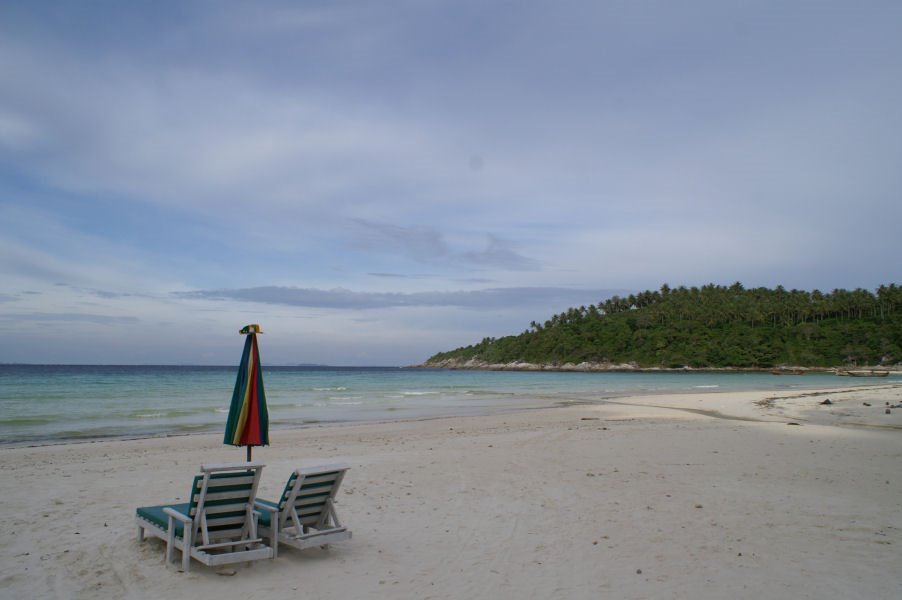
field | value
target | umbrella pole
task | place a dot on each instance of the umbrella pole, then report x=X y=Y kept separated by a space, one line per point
x=249 y=453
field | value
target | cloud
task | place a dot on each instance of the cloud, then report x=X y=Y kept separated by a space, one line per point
x=427 y=244
x=499 y=254
x=70 y=318
x=420 y=243
x=398 y=275
x=486 y=299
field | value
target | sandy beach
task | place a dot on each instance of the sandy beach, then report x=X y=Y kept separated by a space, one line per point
x=740 y=495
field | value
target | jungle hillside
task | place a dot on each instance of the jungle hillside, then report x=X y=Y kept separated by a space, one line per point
x=710 y=327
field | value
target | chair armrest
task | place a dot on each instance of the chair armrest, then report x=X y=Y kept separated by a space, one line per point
x=272 y=510
x=177 y=515
x=273 y=524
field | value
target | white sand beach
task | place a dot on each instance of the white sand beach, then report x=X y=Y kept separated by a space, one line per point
x=739 y=495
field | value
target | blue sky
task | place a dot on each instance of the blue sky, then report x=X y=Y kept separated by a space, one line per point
x=375 y=182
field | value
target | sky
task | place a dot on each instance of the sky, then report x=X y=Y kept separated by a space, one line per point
x=376 y=182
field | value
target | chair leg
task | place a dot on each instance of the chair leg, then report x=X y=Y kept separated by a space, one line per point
x=187 y=544
x=140 y=533
x=170 y=540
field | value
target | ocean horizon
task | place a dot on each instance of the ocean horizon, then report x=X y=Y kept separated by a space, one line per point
x=42 y=404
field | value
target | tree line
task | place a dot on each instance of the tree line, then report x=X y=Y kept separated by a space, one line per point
x=712 y=326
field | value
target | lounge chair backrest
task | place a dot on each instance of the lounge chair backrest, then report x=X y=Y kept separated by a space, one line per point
x=310 y=493
x=220 y=499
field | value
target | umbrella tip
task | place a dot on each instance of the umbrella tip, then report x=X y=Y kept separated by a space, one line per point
x=252 y=328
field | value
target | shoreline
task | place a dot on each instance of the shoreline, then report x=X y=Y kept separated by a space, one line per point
x=474 y=364
x=601 y=400
x=695 y=495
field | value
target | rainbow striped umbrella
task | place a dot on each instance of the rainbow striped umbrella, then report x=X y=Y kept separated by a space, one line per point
x=248 y=423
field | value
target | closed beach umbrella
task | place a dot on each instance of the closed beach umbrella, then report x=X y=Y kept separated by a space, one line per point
x=248 y=423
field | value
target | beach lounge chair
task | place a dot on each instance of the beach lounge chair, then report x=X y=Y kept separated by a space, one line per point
x=305 y=514
x=218 y=525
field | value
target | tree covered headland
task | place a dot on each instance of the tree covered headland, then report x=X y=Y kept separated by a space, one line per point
x=712 y=326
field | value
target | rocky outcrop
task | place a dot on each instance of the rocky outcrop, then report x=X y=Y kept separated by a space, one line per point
x=593 y=367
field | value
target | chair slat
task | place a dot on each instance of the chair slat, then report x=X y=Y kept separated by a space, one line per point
x=306 y=500
x=233 y=495
x=237 y=509
x=226 y=488
x=219 y=482
x=316 y=489
x=313 y=509
x=318 y=479
x=243 y=481
x=224 y=521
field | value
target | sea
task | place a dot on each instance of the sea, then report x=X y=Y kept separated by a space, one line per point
x=43 y=404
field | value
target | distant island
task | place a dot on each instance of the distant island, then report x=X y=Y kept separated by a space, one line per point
x=709 y=327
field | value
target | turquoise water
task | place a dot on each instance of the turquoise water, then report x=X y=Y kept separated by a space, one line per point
x=49 y=403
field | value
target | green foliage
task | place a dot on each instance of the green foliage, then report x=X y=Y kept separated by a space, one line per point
x=712 y=326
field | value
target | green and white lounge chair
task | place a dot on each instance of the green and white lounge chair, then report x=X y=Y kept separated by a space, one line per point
x=218 y=525
x=305 y=514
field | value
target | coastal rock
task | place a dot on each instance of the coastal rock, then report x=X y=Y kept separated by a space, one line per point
x=585 y=366
x=589 y=366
